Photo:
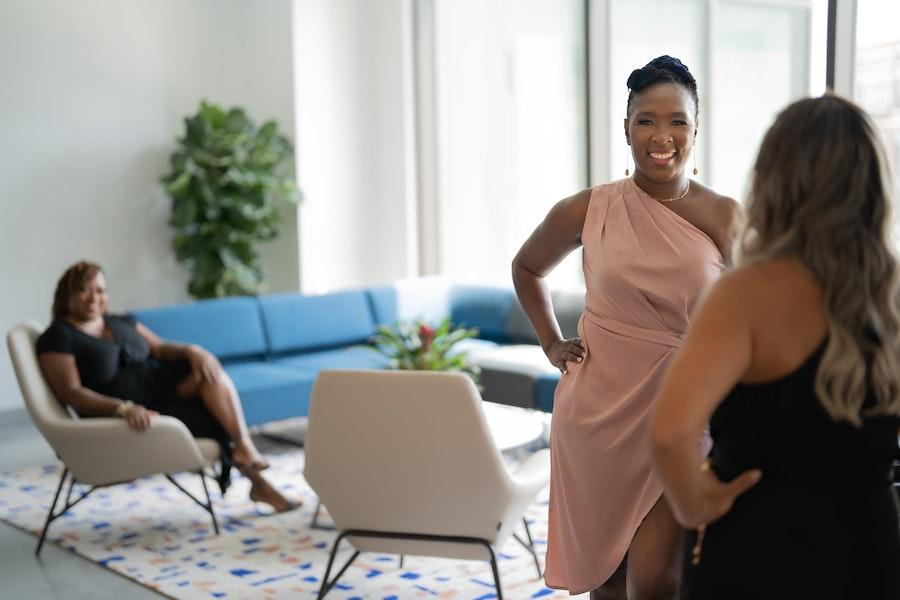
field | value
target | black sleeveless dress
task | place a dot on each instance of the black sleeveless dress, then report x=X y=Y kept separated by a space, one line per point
x=822 y=523
x=123 y=368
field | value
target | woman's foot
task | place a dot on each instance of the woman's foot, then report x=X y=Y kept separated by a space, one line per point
x=247 y=458
x=263 y=491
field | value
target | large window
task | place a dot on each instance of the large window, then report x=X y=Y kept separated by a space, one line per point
x=750 y=59
x=877 y=76
x=510 y=128
x=507 y=102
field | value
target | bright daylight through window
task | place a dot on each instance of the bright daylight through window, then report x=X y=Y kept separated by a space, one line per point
x=511 y=105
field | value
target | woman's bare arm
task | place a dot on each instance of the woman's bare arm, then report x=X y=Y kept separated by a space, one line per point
x=204 y=364
x=717 y=353
x=62 y=375
x=554 y=239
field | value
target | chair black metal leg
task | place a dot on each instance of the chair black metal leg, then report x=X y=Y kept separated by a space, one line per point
x=69 y=492
x=209 y=505
x=327 y=585
x=401 y=561
x=530 y=547
x=342 y=571
x=398 y=535
x=50 y=515
x=496 y=572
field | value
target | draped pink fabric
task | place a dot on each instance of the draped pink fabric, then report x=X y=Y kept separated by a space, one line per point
x=645 y=268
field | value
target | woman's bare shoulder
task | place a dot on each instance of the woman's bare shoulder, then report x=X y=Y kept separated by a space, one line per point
x=724 y=210
x=770 y=291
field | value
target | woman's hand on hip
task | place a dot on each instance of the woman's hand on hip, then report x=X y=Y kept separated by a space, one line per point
x=719 y=496
x=561 y=352
x=204 y=365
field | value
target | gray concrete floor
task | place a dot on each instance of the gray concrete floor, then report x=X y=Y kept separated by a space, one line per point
x=57 y=573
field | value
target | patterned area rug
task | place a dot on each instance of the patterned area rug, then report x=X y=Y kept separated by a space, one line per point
x=153 y=534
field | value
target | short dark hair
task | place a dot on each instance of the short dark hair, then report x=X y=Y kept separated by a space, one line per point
x=73 y=279
x=662 y=69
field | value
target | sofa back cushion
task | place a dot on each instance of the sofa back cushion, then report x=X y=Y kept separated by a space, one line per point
x=296 y=323
x=485 y=307
x=227 y=327
x=431 y=299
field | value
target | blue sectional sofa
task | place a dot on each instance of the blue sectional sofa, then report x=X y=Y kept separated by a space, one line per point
x=273 y=346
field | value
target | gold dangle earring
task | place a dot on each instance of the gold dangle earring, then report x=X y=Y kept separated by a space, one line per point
x=694 y=155
x=627 y=156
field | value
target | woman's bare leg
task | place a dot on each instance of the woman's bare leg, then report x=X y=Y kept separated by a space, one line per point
x=614 y=588
x=221 y=399
x=261 y=490
x=654 y=557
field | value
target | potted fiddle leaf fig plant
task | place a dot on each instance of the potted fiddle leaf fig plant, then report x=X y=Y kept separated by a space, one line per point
x=418 y=346
x=227 y=180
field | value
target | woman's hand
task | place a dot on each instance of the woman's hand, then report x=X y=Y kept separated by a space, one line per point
x=718 y=497
x=204 y=365
x=138 y=417
x=562 y=351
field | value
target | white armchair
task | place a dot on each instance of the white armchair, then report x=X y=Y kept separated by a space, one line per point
x=406 y=464
x=102 y=451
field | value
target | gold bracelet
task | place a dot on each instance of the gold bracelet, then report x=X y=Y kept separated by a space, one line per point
x=123 y=409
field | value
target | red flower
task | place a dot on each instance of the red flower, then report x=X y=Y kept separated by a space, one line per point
x=426 y=334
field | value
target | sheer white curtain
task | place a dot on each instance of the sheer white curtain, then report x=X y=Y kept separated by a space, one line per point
x=877 y=79
x=510 y=120
x=750 y=59
x=508 y=81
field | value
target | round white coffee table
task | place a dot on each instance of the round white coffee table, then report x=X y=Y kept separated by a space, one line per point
x=514 y=427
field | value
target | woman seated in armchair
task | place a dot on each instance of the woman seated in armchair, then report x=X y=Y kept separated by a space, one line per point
x=108 y=365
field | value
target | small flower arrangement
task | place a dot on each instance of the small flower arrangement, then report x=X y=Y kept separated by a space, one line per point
x=418 y=346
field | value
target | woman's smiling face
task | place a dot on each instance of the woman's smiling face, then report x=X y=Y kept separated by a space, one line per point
x=89 y=301
x=661 y=129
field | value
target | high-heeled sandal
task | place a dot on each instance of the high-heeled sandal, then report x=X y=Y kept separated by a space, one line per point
x=291 y=504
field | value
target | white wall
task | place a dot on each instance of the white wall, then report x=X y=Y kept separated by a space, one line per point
x=354 y=113
x=92 y=94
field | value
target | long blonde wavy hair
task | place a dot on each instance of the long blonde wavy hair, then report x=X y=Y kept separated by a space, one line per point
x=820 y=195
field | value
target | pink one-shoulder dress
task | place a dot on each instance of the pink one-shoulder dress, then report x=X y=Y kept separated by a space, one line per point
x=644 y=268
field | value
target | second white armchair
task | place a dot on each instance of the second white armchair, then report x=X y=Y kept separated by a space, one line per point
x=405 y=463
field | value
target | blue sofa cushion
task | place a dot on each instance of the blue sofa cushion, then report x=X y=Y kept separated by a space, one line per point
x=227 y=327
x=545 y=389
x=341 y=358
x=294 y=323
x=271 y=392
x=483 y=307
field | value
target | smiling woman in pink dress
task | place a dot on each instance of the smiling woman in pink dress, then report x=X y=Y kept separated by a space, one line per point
x=652 y=244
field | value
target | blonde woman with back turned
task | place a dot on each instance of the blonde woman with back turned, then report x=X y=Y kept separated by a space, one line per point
x=793 y=360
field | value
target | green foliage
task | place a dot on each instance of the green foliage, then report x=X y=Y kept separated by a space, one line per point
x=227 y=179
x=418 y=346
